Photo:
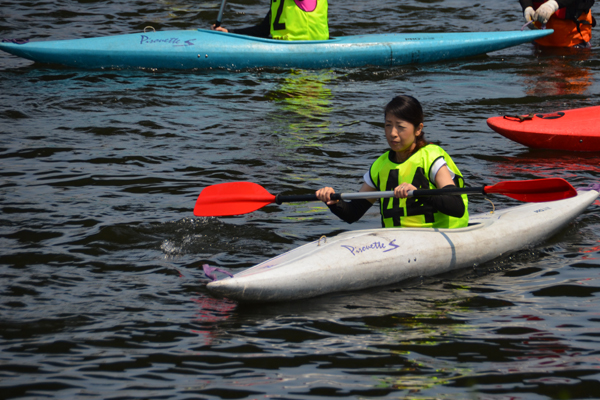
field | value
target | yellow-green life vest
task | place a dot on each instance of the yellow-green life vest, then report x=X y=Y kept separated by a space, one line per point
x=299 y=20
x=413 y=212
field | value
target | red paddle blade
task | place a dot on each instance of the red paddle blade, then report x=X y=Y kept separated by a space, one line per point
x=535 y=190
x=231 y=198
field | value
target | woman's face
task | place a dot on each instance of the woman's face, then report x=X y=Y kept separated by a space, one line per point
x=400 y=134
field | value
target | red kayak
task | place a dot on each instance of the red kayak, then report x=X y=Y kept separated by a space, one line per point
x=572 y=130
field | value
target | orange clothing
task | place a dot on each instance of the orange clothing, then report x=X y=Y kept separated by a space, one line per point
x=565 y=31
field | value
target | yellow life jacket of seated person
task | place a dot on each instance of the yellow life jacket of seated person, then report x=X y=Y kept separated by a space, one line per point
x=299 y=20
x=413 y=212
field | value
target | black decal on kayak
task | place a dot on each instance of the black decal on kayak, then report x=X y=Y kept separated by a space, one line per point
x=551 y=116
x=521 y=118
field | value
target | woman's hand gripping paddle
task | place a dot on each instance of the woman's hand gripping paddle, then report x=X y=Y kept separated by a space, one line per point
x=235 y=198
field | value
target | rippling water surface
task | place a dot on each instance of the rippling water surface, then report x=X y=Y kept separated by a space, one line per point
x=102 y=293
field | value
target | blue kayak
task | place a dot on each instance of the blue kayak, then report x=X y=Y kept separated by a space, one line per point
x=206 y=49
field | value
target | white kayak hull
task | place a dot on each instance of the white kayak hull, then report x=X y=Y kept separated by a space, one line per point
x=376 y=257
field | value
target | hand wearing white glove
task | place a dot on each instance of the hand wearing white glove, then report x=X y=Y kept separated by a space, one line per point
x=528 y=14
x=545 y=11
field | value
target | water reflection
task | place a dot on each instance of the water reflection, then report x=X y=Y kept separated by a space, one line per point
x=302 y=115
x=301 y=123
x=210 y=312
x=564 y=73
x=589 y=253
x=550 y=164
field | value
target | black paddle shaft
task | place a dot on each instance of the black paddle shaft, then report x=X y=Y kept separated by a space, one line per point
x=220 y=16
x=279 y=199
x=452 y=191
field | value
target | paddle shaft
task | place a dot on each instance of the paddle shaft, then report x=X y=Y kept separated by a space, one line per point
x=279 y=199
x=220 y=16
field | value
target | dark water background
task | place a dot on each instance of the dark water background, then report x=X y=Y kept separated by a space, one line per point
x=102 y=295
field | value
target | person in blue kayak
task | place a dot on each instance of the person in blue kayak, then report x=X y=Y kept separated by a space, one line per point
x=411 y=163
x=571 y=20
x=290 y=20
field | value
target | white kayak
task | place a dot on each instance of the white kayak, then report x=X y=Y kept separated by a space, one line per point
x=376 y=257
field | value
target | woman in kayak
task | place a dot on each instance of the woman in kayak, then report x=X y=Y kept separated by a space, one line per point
x=411 y=163
x=290 y=20
x=571 y=20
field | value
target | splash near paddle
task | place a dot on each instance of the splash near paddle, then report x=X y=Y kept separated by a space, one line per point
x=572 y=130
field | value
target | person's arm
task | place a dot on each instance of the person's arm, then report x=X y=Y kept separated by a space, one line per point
x=561 y=3
x=543 y=12
x=349 y=211
x=262 y=30
x=526 y=3
x=528 y=11
x=565 y=3
x=451 y=205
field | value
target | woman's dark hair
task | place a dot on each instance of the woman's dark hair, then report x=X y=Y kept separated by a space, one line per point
x=409 y=109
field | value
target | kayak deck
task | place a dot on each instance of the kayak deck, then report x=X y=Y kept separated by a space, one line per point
x=206 y=49
x=570 y=130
